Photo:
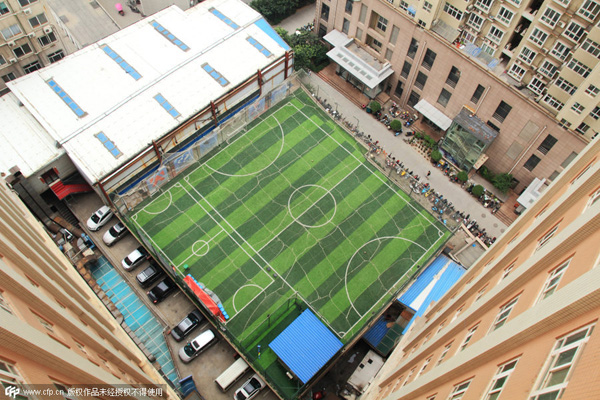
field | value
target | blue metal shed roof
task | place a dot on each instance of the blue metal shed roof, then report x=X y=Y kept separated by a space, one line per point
x=305 y=345
x=423 y=280
x=377 y=332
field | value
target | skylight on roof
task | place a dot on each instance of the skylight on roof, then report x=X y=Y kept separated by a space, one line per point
x=223 y=18
x=110 y=146
x=169 y=36
x=122 y=63
x=216 y=75
x=262 y=49
x=68 y=101
x=166 y=105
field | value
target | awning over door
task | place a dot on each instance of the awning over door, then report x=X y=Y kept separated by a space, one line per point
x=433 y=114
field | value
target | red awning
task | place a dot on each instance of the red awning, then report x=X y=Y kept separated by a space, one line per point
x=61 y=190
x=204 y=297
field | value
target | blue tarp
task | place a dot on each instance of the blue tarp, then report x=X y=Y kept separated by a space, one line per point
x=377 y=332
x=305 y=346
x=451 y=274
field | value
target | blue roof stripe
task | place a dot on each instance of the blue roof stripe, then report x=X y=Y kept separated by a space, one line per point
x=258 y=46
x=108 y=144
x=68 y=100
x=266 y=28
x=306 y=345
x=223 y=18
x=215 y=74
x=122 y=63
x=169 y=36
x=167 y=106
x=377 y=332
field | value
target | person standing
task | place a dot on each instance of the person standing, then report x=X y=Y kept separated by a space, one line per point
x=428 y=173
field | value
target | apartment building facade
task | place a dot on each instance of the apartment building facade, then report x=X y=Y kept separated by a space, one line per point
x=30 y=39
x=521 y=323
x=54 y=331
x=497 y=58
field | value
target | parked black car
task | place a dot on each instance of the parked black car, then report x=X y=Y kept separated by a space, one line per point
x=160 y=292
x=187 y=325
x=149 y=275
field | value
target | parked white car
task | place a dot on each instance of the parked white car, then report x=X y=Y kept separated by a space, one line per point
x=114 y=234
x=99 y=218
x=134 y=259
x=250 y=389
x=193 y=349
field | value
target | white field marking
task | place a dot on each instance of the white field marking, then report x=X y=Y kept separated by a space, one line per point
x=394 y=285
x=297 y=219
x=260 y=170
x=358 y=251
x=236 y=292
x=182 y=263
x=155 y=245
x=152 y=202
x=362 y=162
x=228 y=234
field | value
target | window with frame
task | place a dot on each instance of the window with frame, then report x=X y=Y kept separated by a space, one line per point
x=38 y=20
x=582 y=128
x=11 y=31
x=410 y=374
x=46 y=324
x=424 y=367
x=444 y=352
x=394 y=34
x=47 y=39
x=427 y=6
x=516 y=3
x=481 y=292
x=10 y=376
x=556 y=374
x=484 y=5
x=459 y=390
x=565 y=3
x=382 y=23
x=552 y=102
x=568 y=160
x=502 y=111
x=564 y=123
x=25 y=3
x=548 y=69
x=477 y=94
x=499 y=380
x=56 y=56
x=495 y=34
x=589 y=10
x=457 y=313
x=547 y=144
x=429 y=59
x=468 y=338
x=594 y=197
x=553 y=176
x=359 y=33
x=536 y=85
x=578 y=108
x=565 y=85
x=362 y=17
x=595 y=113
x=413 y=99
x=553 y=280
x=421 y=80
x=507 y=270
x=475 y=21
x=538 y=36
x=532 y=162
x=591 y=47
x=349 y=4
x=405 y=69
x=488 y=48
x=442 y=324
x=22 y=50
x=560 y=50
x=403 y=5
x=503 y=314
x=544 y=239
x=9 y=77
x=2 y=60
x=4 y=305
x=324 y=12
x=550 y=16
x=412 y=49
x=388 y=54
x=345 y=26
x=34 y=66
x=444 y=98
x=399 y=89
x=574 y=31
x=527 y=55
x=453 y=77
x=579 y=68
x=4 y=8
x=453 y=11
x=505 y=15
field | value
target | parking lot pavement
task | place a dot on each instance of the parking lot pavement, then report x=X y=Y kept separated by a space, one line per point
x=208 y=365
x=300 y=18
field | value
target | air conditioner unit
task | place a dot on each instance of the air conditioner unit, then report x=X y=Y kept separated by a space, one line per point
x=27 y=11
x=491 y=17
x=12 y=60
x=12 y=43
x=469 y=7
x=48 y=29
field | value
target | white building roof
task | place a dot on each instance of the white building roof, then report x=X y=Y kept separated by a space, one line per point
x=102 y=96
x=23 y=141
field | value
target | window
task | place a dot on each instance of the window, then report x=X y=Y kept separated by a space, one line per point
x=405 y=69
x=560 y=51
x=349 y=4
x=480 y=293
x=3 y=8
x=38 y=20
x=49 y=327
x=26 y=2
x=594 y=197
x=359 y=33
x=564 y=123
x=578 y=108
x=550 y=17
x=427 y=6
x=459 y=391
x=2 y=60
x=565 y=85
x=421 y=80
x=363 y=13
x=34 y=66
x=552 y=102
x=374 y=43
x=495 y=34
x=499 y=380
x=441 y=327
x=22 y=50
x=399 y=90
x=579 y=68
x=595 y=113
x=589 y=10
x=4 y=305
x=475 y=21
x=388 y=54
x=345 y=26
x=470 y=334
x=444 y=352
x=453 y=77
x=382 y=23
x=507 y=270
x=544 y=239
x=410 y=374
x=413 y=98
x=9 y=376
x=553 y=175
x=488 y=48
x=555 y=376
x=553 y=280
x=548 y=69
x=547 y=144
x=403 y=5
x=217 y=76
x=394 y=34
x=568 y=160
x=47 y=39
x=538 y=36
x=503 y=314
x=502 y=111
x=444 y=97
x=424 y=367
x=591 y=47
x=582 y=128
x=325 y=12
x=574 y=31
x=505 y=15
x=477 y=94
x=536 y=85
x=9 y=77
x=457 y=313
x=453 y=11
x=429 y=59
x=484 y=5
x=527 y=55
x=56 y=56
x=11 y=31
x=412 y=49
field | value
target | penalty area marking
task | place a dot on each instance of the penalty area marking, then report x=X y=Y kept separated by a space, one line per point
x=297 y=218
x=236 y=292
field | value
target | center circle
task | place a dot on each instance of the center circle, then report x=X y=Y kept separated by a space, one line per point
x=200 y=248
x=305 y=202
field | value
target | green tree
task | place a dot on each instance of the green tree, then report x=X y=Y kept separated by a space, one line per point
x=462 y=176
x=502 y=182
x=396 y=125
x=477 y=191
x=275 y=10
x=436 y=156
x=374 y=106
x=309 y=52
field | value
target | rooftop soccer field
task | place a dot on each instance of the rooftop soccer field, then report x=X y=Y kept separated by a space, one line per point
x=291 y=208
